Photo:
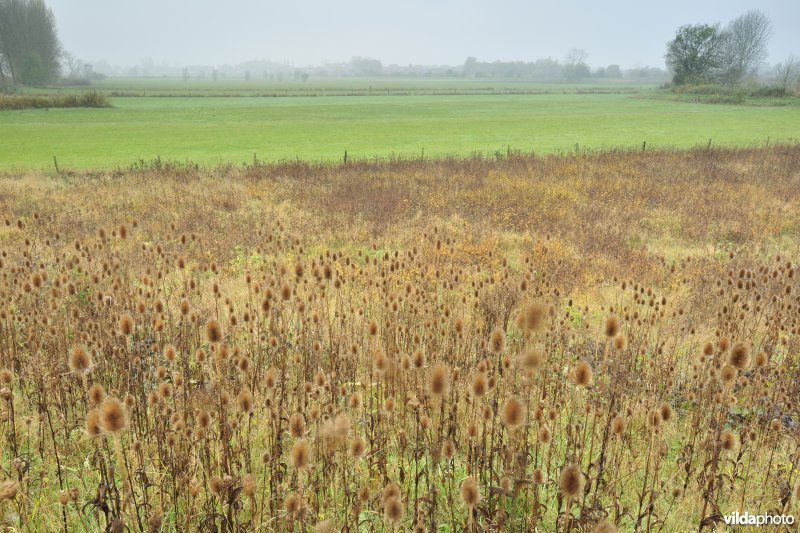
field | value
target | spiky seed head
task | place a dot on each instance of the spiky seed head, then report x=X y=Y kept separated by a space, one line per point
x=582 y=374
x=618 y=425
x=203 y=419
x=355 y=401
x=480 y=385
x=448 y=449
x=93 y=428
x=391 y=490
x=79 y=360
x=513 y=414
x=654 y=418
x=291 y=503
x=165 y=389
x=245 y=401
x=325 y=526
x=612 y=326
x=439 y=380
x=97 y=394
x=114 y=417
x=418 y=359
x=533 y=317
x=300 y=454
x=154 y=522
x=126 y=324
x=620 y=342
x=761 y=359
x=393 y=510
x=728 y=373
x=169 y=353
x=666 y=412
x=531 y=358
x=497 y=341
x=544 y=435
x=357 y=447
x=605 y=527
x=739 y=357
x=470 y=493
x=724 y=344
x=571 y=481
x=727 y=440
x=213 y=331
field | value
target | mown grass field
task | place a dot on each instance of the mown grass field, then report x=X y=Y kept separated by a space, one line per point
x=412 y=117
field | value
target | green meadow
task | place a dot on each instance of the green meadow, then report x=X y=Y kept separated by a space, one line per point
x=456 y=120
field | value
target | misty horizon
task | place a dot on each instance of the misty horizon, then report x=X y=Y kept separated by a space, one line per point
x=442 y=35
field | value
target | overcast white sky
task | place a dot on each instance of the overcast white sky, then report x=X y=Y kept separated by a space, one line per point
x=628 y=32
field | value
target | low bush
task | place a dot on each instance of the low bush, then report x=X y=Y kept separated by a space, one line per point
x=44 y=101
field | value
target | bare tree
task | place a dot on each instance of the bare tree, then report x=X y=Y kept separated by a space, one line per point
x=787 y=72
x=73 y=64
x=575 y=67
x=746 y=40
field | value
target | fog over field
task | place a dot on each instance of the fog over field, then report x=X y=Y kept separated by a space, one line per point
x=620 y=32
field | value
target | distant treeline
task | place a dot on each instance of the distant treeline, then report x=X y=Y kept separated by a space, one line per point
x=573 y=69
x=44 y=101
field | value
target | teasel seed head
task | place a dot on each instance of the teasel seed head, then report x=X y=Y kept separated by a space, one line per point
x=611 y=326
x=357 y=447
x=93 y=428
x=727 y=440
x=618 y=425
x=470 y=493
x=654 y=418
x=666 y=412
x=300 y=454
x=582 y=374
x=533 y=316
x=513 y=414
x=531 y=359
x=571 y=481
x=497 y=341
x=544 y=435
x=114 y=417
x=245 y=401
x=604 y=527
x=620 y=342
x=739 y=357
x=393 y=510
x=480 y=385
x=79 y=360
x=126 y=324
x=439 y=382
x=213 y=331
x=728 y=373
x=325 y=526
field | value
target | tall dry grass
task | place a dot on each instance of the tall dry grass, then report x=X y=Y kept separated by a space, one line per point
x=586 y=342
